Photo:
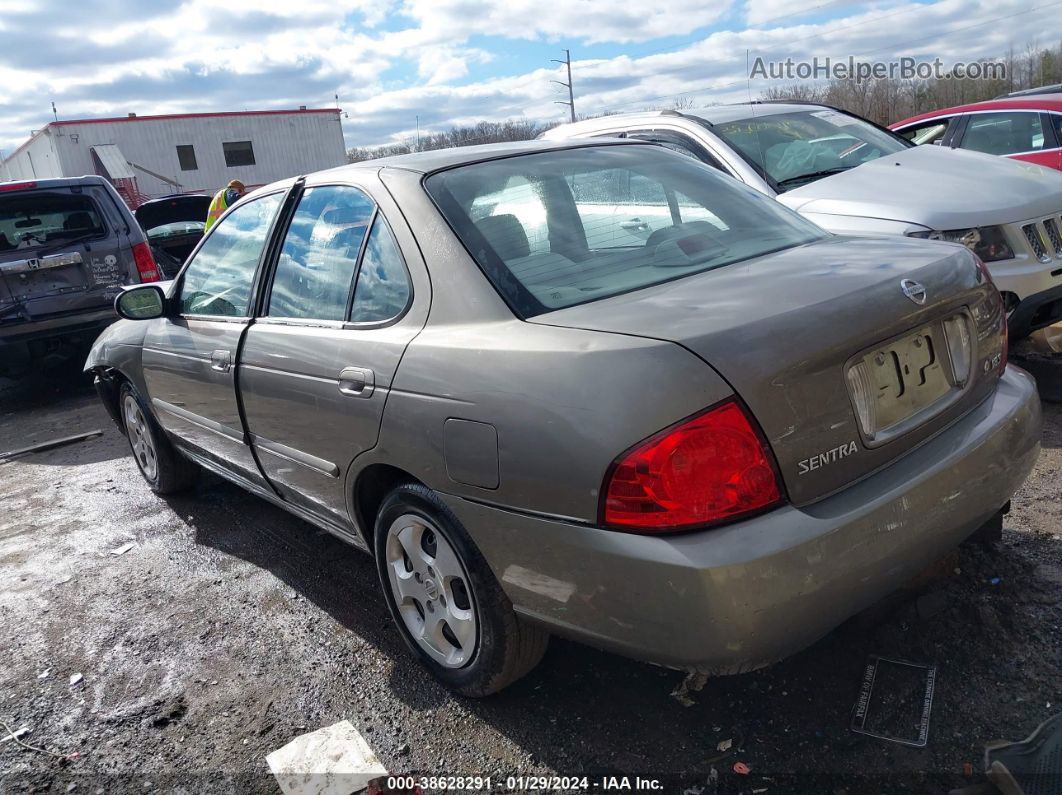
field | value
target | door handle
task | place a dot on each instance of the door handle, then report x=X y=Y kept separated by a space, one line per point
x=221 y=361
x=357 y=382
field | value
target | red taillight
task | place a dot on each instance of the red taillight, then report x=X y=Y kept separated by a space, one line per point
x=145 y=263
x=17 y=185
x=1004 y=331
x=705 y=470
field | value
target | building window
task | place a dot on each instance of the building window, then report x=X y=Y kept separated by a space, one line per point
x=238 y=153
x=186 y=157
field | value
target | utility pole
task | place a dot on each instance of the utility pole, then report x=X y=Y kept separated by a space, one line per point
x=571 y=96
x=418 y=132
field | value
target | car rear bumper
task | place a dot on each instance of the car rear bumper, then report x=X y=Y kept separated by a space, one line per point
x=740 y=597
x=57 y=326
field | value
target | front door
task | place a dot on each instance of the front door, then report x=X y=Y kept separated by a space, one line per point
x=317 y=363
x=190 y=357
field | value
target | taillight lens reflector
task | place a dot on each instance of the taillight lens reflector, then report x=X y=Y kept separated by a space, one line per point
x=705 y=470
x=145 y=263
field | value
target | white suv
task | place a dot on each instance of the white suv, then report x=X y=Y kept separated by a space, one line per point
x=854 y=178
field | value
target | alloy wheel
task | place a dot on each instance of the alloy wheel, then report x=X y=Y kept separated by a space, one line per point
x=432 y=591
x=140 y=438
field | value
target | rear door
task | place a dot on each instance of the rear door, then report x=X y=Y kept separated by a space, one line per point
x=63 y=249
x=189 y=358
x=317 y=364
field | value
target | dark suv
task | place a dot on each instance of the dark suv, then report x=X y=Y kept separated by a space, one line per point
x=66 y=248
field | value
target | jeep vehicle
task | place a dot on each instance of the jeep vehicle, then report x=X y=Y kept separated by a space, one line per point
x=67 y=247
x=852 y=177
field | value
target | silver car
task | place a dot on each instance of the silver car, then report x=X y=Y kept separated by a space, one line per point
x=854 y=178
x=705 y=447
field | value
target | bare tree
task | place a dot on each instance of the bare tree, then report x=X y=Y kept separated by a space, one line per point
x=484 y=132
x=887 y=100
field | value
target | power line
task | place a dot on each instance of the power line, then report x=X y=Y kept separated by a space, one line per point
x=571 y=97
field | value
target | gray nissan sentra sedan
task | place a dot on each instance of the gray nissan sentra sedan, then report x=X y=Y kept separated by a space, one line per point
x=596 y=389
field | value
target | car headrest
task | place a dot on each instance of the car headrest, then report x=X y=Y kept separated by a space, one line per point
x=506 y=235
x=78 y=220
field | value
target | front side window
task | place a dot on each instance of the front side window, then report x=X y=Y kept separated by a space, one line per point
x=218 y=280
x=383 y=285
x=238 y=153
x=320 y=252
x=799 y=147
x=1004 y=133
x=619 y=218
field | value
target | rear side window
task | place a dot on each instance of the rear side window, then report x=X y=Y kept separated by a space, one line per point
x=32 y=219
x=218 y=279
x=383 y=287
x=616 y=218
x=320 y=252
x=1004 y=133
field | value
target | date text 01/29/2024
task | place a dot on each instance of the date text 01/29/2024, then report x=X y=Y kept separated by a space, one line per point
x=520 y=783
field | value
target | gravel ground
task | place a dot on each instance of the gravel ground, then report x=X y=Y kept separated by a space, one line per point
x=231 y=627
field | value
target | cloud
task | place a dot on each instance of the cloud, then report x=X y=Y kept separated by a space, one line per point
x=589 y=21
x=442 y=60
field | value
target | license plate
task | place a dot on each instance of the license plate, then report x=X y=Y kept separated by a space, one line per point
x=908 y=375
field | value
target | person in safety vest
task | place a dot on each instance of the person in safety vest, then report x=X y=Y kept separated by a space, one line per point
x=222 y=200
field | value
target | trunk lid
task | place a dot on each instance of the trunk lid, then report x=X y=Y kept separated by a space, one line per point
x=173 y=209
x=784 y=329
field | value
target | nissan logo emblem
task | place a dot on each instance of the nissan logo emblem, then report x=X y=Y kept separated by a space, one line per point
x=913 y=290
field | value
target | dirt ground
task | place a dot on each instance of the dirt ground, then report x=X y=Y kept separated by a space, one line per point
x=230 y=627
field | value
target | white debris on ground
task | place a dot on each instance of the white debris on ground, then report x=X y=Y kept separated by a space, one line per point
x=334 y=760
x=693 y=682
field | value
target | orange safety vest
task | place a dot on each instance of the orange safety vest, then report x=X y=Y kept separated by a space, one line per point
x=218 y=205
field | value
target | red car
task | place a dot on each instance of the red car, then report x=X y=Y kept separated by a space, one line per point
x=1024 y=127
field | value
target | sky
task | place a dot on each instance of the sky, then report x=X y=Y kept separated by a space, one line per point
x=454 y=62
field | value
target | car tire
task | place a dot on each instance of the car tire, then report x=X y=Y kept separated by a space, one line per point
x=165 y=468
x=413 y=518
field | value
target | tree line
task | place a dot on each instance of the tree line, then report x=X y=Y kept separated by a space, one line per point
x=881 y=100
x=888 y=100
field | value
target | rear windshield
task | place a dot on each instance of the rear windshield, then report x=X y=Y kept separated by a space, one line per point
x=28 y=220
x=567 y=227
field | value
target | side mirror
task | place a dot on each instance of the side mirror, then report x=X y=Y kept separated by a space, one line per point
x=141 y=303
